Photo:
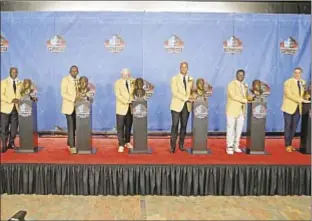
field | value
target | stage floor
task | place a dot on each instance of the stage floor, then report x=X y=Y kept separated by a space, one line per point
x=55 y=152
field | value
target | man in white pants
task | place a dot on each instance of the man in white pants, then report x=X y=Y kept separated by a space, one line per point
x=235 y=111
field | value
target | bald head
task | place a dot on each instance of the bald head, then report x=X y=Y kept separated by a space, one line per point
x=125 y=73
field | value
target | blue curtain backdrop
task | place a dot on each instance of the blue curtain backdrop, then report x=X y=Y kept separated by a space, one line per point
x=144 y=35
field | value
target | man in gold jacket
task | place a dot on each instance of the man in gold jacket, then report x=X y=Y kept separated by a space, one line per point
x=124 y=95
x=69 y=88
x=235 y=111
x=180 y=107
x=10 y=96
x=292 y=106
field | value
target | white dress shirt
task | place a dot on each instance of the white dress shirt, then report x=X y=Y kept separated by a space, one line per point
x=11 y=81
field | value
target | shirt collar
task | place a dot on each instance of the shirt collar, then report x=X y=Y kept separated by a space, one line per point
x=183 y=75
x=11 y=80
x=74 y=79
x=241 y=83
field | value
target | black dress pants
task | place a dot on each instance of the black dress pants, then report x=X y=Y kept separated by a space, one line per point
x=177 y=117
x=71 y=127
x=124 y=125
x=290 y=125
x=9 y=126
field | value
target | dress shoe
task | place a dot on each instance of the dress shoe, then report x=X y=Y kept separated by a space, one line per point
x=229 y=150
x=73 y=150
x=120 y=149
x=237 y=150
x=181 y=147
x=289 y=149
x=129 y=146
x=172 y=149
x=11 y=146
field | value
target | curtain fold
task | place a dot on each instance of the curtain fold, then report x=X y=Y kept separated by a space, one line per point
x=174 y=180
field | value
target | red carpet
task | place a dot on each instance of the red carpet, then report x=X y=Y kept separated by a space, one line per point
x=56 y=152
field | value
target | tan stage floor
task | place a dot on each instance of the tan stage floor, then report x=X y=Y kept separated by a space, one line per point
x=157 y=207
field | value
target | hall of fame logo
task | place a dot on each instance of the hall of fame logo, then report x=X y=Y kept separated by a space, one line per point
x=233 y=45
x=289 y=46
x=4 y=43
x=56 y=44
x=139 y=111
x=174 y=45
x=259 y=111
x=25 y=109
x=201 y=111
x=115 y=44
x=82 y=111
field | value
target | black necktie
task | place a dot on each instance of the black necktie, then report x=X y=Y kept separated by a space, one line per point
x=299 y=87
x=14 y=87
x=184 y=82
x=127 y=86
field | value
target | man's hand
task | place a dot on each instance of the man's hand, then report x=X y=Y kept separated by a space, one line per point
x=250 y=97
x=245 y=101
x=78 y=99
x=15 y=101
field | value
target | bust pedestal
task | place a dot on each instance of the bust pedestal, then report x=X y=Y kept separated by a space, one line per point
x=139 y=111
x=84 y=127
x=305 y=137
x=199 y=127
x=256 y=121
x=27 y=117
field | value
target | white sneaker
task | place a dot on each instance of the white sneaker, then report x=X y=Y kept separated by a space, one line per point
x=129 y=146
x=229 y=151
x=120 y=149
x=237 y=150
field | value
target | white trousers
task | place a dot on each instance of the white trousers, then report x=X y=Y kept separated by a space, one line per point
x=234 y=128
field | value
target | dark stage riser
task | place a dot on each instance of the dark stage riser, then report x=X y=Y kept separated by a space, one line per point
x=84 y=127
x=305 y=138
x=172 y=180
x=28 y=135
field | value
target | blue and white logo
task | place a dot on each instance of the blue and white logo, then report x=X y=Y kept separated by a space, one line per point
x=25 y=110
x=139 y=111
x=259 y=111
x=82 y=111
x=201 y=111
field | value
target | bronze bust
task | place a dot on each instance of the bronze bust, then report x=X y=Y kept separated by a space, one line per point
x=258 y=91
x=84 y=91
x=28 y=90
x=256 y=88
x=139 y=92
x=142 y=89
x=83 y=87
x=202 y=90
x=307 y=92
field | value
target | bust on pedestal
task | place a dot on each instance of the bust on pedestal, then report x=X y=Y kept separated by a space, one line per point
x=305 y=136
x=256 y=118
x=27 y=117
x=199 y=97
x=142 y=91
x=83 y=108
